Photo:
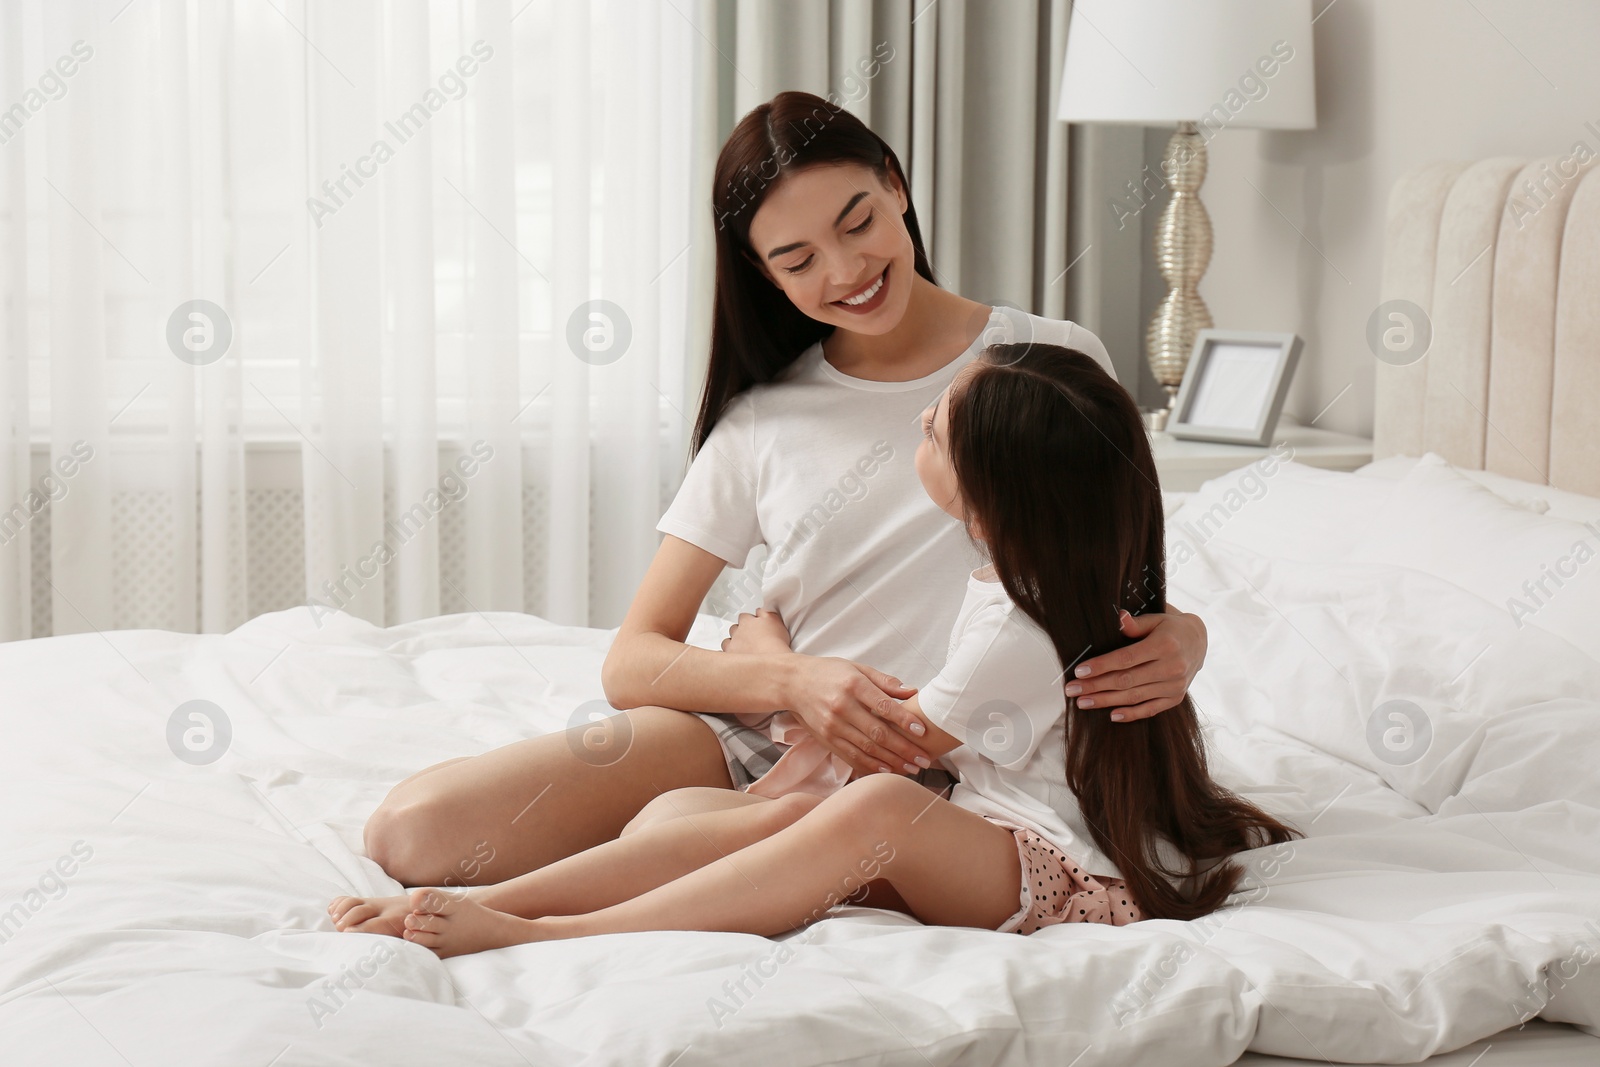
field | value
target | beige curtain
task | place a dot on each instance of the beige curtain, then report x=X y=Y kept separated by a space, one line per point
x=963 y=91
x=1114 y=286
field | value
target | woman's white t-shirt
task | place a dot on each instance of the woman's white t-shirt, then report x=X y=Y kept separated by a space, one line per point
x=999 y=693
x=819 y=467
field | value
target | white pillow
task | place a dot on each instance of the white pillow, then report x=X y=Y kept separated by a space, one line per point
x=1278 y=508
x=1544 y=499
x=1544 y=570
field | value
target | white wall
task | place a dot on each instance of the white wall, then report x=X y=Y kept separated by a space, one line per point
x=1399 y=83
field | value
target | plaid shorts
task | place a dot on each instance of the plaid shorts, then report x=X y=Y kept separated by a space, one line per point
x=750 y=753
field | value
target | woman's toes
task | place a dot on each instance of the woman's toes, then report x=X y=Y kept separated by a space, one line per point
x=358 y=914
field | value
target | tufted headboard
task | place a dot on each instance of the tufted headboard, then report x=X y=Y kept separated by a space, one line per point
x=1503 y=257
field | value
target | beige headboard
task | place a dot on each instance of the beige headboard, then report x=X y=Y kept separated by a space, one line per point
x=1503 y=256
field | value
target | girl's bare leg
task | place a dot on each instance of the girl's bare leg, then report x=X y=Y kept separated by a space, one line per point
x=696 y=826
x=639 y=862
x=950 y=866
x=488 y=818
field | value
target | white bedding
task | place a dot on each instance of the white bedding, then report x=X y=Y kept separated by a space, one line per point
x=1433 y=902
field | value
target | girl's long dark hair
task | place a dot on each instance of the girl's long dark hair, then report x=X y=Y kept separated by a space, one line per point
x=1053 y=464
x=756 y=331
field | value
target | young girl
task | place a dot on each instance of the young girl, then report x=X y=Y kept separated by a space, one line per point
x=1059 y=816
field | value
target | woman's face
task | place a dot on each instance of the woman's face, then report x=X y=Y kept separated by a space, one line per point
x=831 y=237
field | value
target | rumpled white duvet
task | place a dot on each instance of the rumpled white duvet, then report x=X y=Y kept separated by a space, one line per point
x=1441 y=755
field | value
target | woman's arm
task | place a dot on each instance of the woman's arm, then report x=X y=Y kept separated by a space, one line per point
x=764 y=632
x=1148 y=676
x=649 y=664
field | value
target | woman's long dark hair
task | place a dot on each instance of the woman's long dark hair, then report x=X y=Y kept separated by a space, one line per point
x=756 y=331
x=1053 y=464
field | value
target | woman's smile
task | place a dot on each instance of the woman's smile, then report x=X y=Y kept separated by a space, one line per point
x=869 y=297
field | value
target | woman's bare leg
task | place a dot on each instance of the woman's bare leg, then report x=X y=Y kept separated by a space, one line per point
x=705 y=825
x=698 y=825
x=951 y=866
x=485 y=819
x=691 y=800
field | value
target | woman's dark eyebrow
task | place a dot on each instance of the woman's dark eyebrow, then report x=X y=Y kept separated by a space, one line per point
x=854 y=200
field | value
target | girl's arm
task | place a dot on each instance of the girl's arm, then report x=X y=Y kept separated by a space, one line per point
x=649 y=663
x=765 y=632
x=935 y=740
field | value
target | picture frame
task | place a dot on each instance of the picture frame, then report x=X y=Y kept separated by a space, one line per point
x=1234 y=386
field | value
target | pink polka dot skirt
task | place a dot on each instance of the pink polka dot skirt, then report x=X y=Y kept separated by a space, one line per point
x=1056 y=890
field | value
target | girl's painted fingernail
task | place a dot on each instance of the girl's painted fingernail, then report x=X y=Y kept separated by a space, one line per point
x=1074 y=689
x=884 y=769
x=1082 y=670
x=924 y=762
x=910 y=768
x=917 y=728
x=1086 y=702
x=1117 y=716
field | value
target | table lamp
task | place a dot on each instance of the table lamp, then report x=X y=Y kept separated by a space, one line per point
x=1204 y=65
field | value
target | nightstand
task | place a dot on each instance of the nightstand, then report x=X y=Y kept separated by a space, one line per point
x=1184 y=465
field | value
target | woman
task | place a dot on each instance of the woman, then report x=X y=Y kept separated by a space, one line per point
x=824 y=291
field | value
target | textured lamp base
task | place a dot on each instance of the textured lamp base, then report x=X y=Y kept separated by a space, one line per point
x=1183 y=250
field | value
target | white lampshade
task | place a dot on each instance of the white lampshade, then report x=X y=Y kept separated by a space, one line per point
x=1214 y=62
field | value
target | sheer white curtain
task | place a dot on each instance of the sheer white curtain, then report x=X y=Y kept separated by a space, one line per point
x=437 y=251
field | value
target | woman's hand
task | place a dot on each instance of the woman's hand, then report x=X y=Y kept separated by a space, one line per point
x=855 y=711
x=763 y=632
x=1148 y=676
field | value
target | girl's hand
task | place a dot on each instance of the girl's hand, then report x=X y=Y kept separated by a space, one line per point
x=1148 y=676
x=855 y=711
x=762 y=632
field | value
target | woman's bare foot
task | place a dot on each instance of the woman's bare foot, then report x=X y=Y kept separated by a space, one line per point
x=453 y=924
x=370 y=915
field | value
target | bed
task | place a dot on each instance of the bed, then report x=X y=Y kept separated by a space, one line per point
x=165 y=881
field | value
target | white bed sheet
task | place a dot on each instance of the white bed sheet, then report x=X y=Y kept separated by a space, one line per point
x=1430 y=906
